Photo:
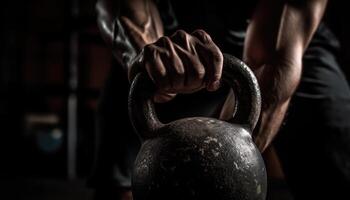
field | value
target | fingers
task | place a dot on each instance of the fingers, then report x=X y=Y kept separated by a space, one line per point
x=182 y=39
x=173 y=63
x=202 y=36
x=165 y=69
x=185 y=46
x=194 y=71
x=212 y=57
x=154 y=65
x=183 y=63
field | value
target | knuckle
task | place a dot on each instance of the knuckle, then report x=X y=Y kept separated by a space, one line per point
x=180 y=32
x=181 y=35
x=167 y=44
x=202 y=35
x=200 y=32
x=160 y=42
x=165 y=39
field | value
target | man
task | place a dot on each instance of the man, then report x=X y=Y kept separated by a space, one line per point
x=281 y=43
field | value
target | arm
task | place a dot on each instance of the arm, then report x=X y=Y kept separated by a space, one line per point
x=127 y=26
x=181 y=63
x=113 y=16
x=277 y=37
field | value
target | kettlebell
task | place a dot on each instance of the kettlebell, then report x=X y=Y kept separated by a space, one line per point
x=199 y=158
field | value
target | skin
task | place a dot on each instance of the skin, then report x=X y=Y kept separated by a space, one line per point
x=276 y=39
x=181 y=63
x=277 y=36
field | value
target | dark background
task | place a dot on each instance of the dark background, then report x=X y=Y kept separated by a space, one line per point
x=53 y=64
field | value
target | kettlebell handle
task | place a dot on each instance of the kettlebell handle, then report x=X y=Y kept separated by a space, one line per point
x=235 y=73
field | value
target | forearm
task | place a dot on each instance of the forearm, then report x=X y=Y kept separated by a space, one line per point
x=113 y=18
x=277 y=37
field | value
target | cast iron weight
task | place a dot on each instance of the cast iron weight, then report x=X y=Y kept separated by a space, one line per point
x=199 y=158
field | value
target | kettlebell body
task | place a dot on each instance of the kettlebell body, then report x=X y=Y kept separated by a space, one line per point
x=199 y=158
